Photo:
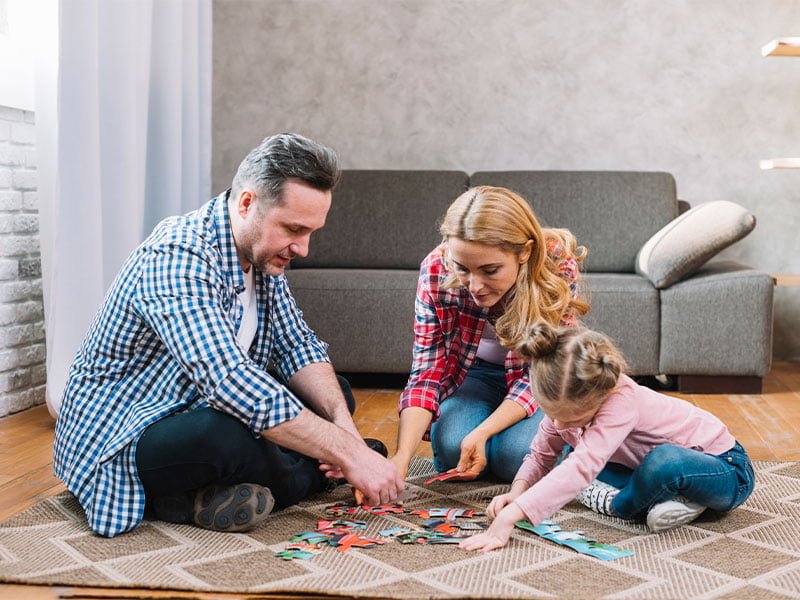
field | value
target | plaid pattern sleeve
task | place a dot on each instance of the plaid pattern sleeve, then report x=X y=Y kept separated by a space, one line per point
x=163 y=341
x=428 y=367
x=519 y=384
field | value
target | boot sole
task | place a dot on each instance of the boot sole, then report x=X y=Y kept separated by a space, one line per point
x=232 y=508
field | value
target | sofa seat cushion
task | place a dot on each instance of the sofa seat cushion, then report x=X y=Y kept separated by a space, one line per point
x=366 y=315
x=625 y=307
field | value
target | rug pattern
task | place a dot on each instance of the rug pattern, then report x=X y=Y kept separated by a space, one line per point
x=752 y=552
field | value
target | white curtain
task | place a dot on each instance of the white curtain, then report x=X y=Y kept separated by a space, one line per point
x=124 y=137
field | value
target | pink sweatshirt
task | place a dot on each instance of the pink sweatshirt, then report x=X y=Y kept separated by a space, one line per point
x=631 y=422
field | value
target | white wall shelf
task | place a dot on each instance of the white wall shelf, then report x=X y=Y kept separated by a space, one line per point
x=785 y=46
x=780 y=163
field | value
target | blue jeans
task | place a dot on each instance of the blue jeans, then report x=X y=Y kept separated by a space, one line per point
x=720 y=482
x=482 y=391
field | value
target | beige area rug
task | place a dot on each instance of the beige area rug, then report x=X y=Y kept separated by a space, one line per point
x=752 y=552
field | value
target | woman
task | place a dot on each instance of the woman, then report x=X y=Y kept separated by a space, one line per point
x=495 y=274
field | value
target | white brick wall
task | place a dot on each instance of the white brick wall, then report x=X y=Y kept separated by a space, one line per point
x=22 y=348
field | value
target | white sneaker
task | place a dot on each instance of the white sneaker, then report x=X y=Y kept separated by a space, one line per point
x=672 y=513
x=598 y=496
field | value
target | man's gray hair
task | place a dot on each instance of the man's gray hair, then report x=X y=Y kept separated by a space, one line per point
x=286 y=156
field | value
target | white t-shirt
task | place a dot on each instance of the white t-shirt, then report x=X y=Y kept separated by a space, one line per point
x=249 y=324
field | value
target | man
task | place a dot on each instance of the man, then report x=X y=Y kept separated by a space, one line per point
x=169 y=403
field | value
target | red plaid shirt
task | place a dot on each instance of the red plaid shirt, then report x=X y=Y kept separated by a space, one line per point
x=447 y=331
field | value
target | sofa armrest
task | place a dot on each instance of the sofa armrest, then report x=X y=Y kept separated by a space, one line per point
x=718 y=322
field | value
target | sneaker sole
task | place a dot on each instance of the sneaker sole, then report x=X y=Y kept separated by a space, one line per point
x=674 y=517
x=232 y=508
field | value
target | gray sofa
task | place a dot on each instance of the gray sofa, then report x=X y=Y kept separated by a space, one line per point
x=711 y=331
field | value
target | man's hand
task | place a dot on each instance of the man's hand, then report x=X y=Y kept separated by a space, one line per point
x=341 y=454
x=374 y=478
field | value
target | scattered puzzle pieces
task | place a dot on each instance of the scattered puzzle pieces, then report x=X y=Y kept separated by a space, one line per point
x=440 y=527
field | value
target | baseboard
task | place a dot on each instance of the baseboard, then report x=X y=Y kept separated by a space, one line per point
x=718 y=384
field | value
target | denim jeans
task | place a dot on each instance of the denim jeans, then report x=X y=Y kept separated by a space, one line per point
x=189 y=450
x=482 y=391
x=720 y=482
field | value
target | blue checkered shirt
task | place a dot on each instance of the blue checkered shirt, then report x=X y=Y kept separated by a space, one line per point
x=164 y=341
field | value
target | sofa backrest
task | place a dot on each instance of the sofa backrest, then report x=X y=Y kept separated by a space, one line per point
x=383 y=219
x=612 y=213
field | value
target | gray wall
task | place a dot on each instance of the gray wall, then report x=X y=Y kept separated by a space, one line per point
x=678 y=86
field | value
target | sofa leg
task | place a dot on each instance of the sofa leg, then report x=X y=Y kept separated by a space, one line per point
x=712 y=384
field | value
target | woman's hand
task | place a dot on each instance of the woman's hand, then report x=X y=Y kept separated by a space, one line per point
x=498 y=533
x=473 y=453
x=401 y=464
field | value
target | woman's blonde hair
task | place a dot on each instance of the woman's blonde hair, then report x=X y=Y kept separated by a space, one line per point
x=498 y=217
x=571 y=364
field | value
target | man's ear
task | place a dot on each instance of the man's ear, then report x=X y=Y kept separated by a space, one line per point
x=245 y=202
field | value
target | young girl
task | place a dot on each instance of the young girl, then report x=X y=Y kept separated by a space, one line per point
x=669 y=459
x=496 y=273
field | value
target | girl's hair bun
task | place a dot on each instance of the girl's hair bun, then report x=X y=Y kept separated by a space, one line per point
x=542 y=339
x=597 y=360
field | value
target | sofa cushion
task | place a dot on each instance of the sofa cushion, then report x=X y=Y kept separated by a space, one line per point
x=383 y=219
x=682 y=246
x=625 y=306
x=612 y=213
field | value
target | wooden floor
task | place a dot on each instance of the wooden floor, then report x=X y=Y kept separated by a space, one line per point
x=767 y=424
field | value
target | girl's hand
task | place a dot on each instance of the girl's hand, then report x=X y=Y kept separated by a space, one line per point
x=498 y=503
x=498 y=533
x=473 y=454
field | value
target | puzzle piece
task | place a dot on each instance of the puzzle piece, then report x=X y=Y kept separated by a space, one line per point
x=446 y=539
x=461 y=476
x=343 y=542
x=394 y=531
x=309 y=537
x=575 y=540
x=447 y=514
x=341 y=524
x=472 y=525
x=385 y=509
x=439 y=526
x=292 y=554
x=340 y=509
x=414 y=537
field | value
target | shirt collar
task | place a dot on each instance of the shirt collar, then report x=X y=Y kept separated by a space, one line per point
x=227 y=246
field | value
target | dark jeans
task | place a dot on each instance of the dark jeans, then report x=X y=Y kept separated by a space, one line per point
x=189 y=450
